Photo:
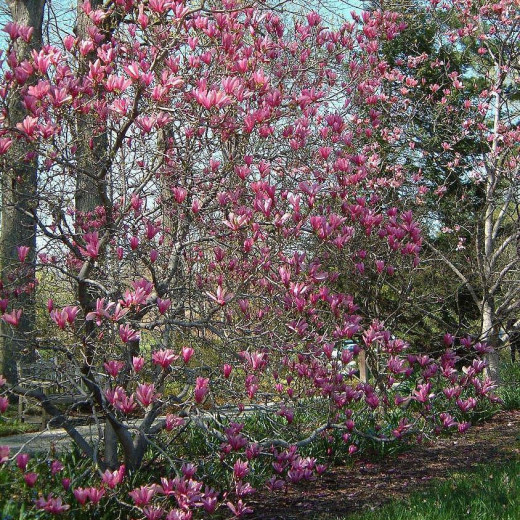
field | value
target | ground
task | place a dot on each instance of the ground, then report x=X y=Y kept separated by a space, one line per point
x=371 y=484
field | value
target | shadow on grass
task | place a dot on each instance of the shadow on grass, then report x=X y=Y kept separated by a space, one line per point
x=489 y=492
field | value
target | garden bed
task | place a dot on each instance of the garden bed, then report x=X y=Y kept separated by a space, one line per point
x=368 y=485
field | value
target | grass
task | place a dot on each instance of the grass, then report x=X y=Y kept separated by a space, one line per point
x=15 y=427
x=490 y=492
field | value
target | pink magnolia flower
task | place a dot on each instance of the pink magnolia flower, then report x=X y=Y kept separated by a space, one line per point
x=463 y=427
x=226 y=370
x=142 y=495
x=56 y=467
x=13 y=317
x=52 y=505
x=95 y=494
x=112 y=368
x=4 y=404
x=209 y=501
x=145 y=394
x=134 y=243
x=127 y=334
x=164 y=358
x=138 y=363
x=221 y=296
x=21 y=461
x=100 y=312
x=256 y=360
x=125 y=403
x=173 y=421
x=163 y=305
x=5 y=144
x=239 y=509
x=23 y=251
x=81 y=495
x=30 y=479
x=71 y=313
x=201 y=389
x=153 y=512
x=179 y=514
x=240 y=469
x=113 y=478
x=187 y=353
x=4 y=454
x=92 y=243
x=60 y=318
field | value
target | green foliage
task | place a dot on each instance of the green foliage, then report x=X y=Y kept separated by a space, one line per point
x=509 y=390
x=15 y=427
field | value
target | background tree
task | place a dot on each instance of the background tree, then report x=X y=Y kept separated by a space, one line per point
x=19 y=198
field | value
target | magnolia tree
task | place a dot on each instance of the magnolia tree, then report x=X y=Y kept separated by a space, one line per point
x=231 y=156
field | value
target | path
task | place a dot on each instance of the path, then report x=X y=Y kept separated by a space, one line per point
x=36 y=442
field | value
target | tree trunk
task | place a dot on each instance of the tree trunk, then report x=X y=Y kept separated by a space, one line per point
x=489 y=334
x=19 y=201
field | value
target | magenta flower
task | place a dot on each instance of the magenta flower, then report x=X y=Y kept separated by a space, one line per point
x=4 y=454
x=112 y=368
x=240 y=469
x=92 y=243
x=95 y=494
x=23 y=251
x=163 y=305
x=56 y=467
x=127 y=334
x=153 y=512
x=145 y=394
x=201 y=389
x=4 y=404
x=81 y=495
x=173 y=421
x=134 y=243
x=187 y=353
x=52 y=505
x=30 y=479
x=226 y=370
x=164 y=358
x=13 y=317
x=138 y=363
x=142 y=495
x=113 y=478
x=21 y=461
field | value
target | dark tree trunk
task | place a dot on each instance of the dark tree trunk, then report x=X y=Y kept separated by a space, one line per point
x=19 y=202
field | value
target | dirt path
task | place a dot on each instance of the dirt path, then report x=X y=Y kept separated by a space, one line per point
x=371 y=484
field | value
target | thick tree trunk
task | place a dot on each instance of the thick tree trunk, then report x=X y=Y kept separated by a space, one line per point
x=19 y=201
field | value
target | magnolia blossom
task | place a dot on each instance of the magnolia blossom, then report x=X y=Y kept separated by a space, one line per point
x=113 y=478
x=201 y=389
x=164 y=358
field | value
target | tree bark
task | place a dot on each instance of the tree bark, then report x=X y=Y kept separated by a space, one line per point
x=489 y=334
x=19 y=202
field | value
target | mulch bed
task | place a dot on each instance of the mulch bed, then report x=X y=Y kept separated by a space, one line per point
x=345 y=490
